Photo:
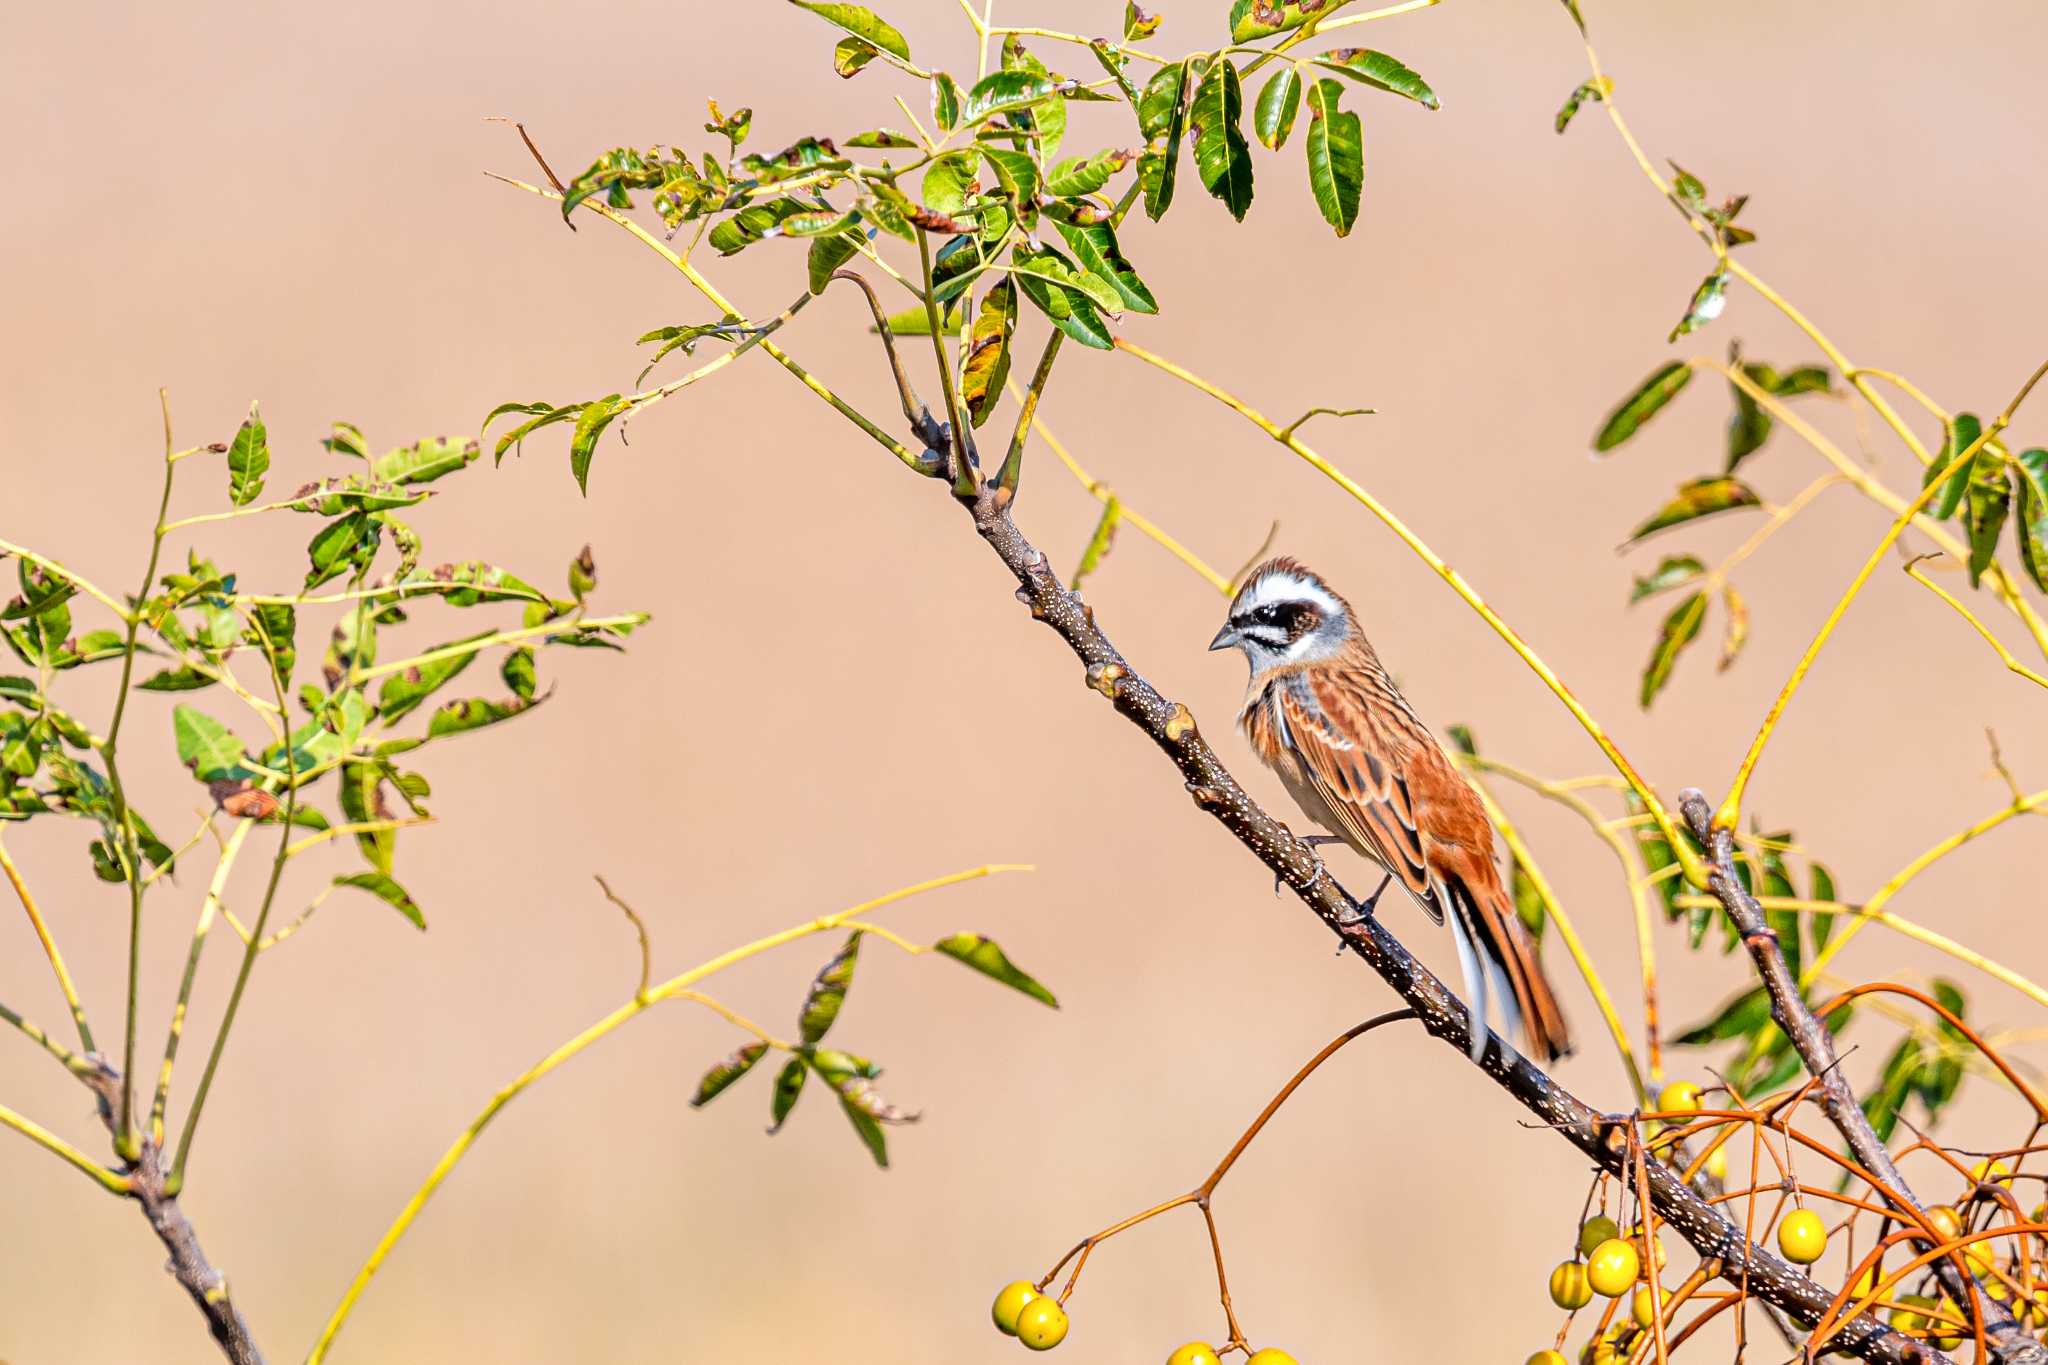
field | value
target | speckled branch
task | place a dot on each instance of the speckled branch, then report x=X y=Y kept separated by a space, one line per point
x=1602 y=1137
x=2009 y=1342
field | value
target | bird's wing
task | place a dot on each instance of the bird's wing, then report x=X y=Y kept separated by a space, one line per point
x=1331 y=730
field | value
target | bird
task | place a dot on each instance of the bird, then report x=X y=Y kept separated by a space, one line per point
x=1323 y=713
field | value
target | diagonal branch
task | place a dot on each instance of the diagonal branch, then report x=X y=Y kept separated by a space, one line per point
x=1816 y=1048
x=1602 y=1137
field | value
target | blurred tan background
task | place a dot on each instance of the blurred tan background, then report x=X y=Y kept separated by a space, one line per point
x=839 y=696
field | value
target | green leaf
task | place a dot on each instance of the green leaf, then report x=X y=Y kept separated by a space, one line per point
x=1138 y=25
x=474 y=713
x=381 y=886
x=546 y=416
x=880 y=137
x=752 y=223
x=1738 y=1018
x=828 y=991
x=1098 y=545
x=248 y=460
x=424 y=462
x=405 y=690
x=468 y=584
x=914 y=322
x=1015 y=172
x=862 y=23
x=1336 y=156
x=721 y=1076
x=1162 y=118
x=274 y=629
x=183 y=678
x=1529 y=905
x=827 y=255
x=988 y=352
x=948 y=182
x=986 y=957
x=1669 y=573
x=946 y=102
x=869 y=1130
x=1222 y=157
x=517 y=671
x=1707 y=302
x=1737 y=633
x=212 y=751
x=2030 y=473
x=1379 y=71
x=1987 y=505
x=1677 y=632
x=1057 y=289
x=362 y=803
x=1279 y=101
x=1095 y=248
x=339 y=545
x=789 y=1085
x=1962 y=433
x=851 y=55
x=1003 y=92
x=1820 y=926
x=1082 y=175
x=1589 y=90
x=1698 y=498
x=1571 y=7
x=590 y=425
x=1639 y=407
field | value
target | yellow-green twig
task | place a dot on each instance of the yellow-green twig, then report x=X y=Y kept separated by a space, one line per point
x=1869 y=911
x=675 y=988
x=229 y=851
x=111 y=1181
x=8 y=547
x=43 y=936
x=1913 y=571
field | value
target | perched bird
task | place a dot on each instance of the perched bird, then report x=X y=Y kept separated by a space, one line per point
x=1323 y=714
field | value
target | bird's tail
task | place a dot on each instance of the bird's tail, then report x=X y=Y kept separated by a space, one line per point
x=1495 y=951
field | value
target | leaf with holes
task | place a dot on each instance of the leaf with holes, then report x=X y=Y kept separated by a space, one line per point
x=986 y=957
x=1986 y=505
x=1162 y=118
x=405 y=690
x=1082 y=175
x=1649 y=398
x=1678 y=631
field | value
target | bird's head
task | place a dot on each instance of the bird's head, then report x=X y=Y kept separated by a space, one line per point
x=1285 y=616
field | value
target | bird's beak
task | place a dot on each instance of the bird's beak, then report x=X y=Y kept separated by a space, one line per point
x=1225 y=637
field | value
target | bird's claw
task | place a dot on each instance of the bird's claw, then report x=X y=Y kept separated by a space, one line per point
x=1361 y=911
x=1311 y=842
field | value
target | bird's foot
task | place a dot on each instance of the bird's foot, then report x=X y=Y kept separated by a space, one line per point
x=1361 y=911
x=1313 y=842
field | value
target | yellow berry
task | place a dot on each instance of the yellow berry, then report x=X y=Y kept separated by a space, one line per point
x=1272 y=1355
x=1865 y=1284
x=2038 y=1311
x=1042 y=1324
x=1602 y=1351
x=1613 y=1267
x=1953 y=1315
x=1009 y=1303
x=1568 y=1287
x=1679 y=1097
x=1717 y=1162
x=1641 y=1310
x=1980 y=1258
x=1802 y=1236
x=1944 y=1220
x=1194 y=1353
x=1998 y=1172
x=1594 y=1231
x=1547 y=1358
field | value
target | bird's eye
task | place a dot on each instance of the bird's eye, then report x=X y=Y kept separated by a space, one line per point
x=1267 y=616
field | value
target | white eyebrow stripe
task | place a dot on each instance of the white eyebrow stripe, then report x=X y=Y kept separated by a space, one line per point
x=1275 y=588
